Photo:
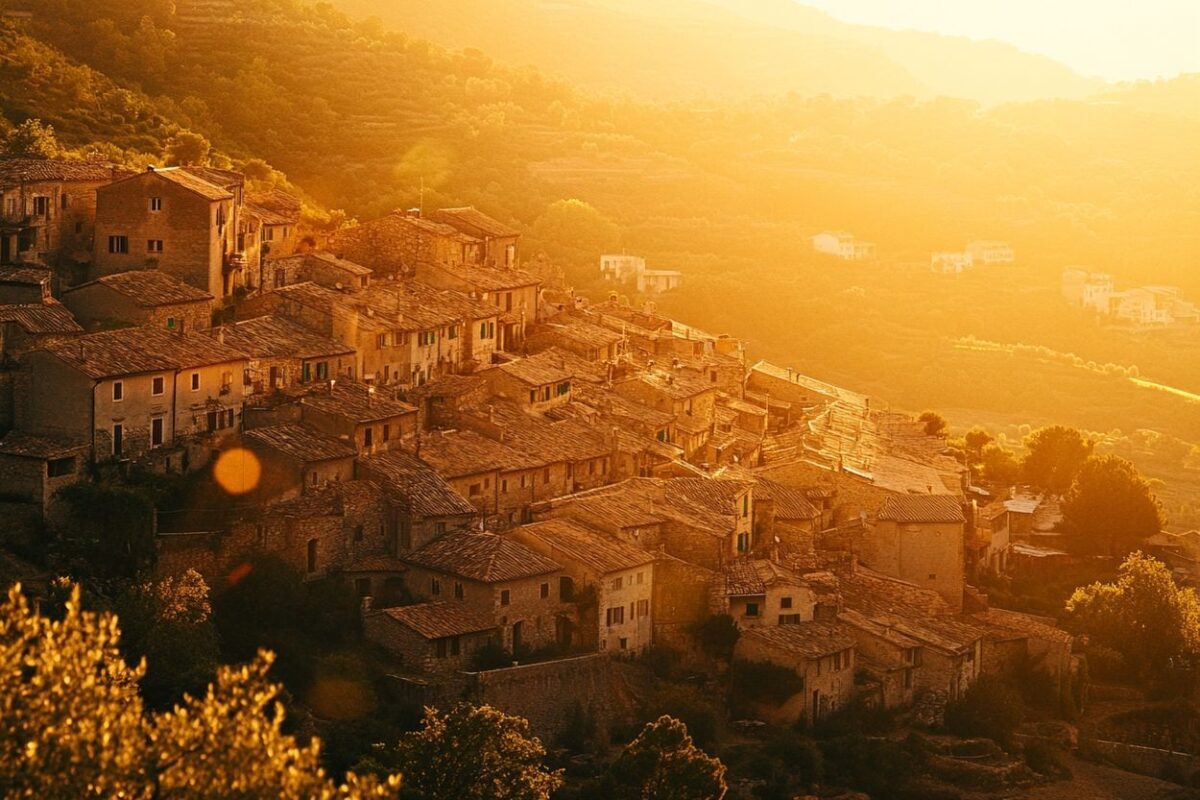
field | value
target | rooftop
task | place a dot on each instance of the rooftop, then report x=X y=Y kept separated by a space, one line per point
x=150 y=288
x=301 y=443
x=470 y=220
x=809 y=640
x=571 y=541
x=484 y=557
x=25 y=275
x=536 y=370
x=131 y=351
x=439 y=620
x=423 y=490
x=270 y=336
x=456 y=454
x=356 y=402
x=17 y=443
x=40 y=318
x=29 y=170
x=922 y=508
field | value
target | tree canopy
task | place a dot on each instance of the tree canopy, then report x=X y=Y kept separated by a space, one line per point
x=1110 y=509
x=475 y=753
x=73 y=723
x=1054 y=456
x=1142 y=614
x=663 y=763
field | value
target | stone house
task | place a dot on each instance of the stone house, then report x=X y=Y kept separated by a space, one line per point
x=141 y=297
x=296 y=459
x=48 y=209
x=398 y=242
x=134 y=391
x=920 y=539
x=277 y=233
x=323 y=269
x=1012 y=637
x=890 y=658
x=623 y=576
x=822 y=654
x=495 y=478
x=513 y=292
x=586 y=340
x=498 y=247
x=25 y=284
x=369 y=419
x=282 y=354
x=434 y=637
x=536 y=382
x=785 y=517
x=28 y=326
x=176 y=220
x=760 y=592
x=691 y=399
x=33 y=468
x=428 y=507
x=522 y=590
x=731 y=499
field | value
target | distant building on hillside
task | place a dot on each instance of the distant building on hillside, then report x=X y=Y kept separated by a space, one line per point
x=989 y=253
x=1154 y=305
x=631 y=270
x=951 y=263
x=843 y=245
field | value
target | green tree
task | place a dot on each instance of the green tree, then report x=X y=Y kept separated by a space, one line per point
x=73 y=723
x=935 y=423
x=1110 y=509
x=475 y=753
x=32 y=139
x=1142 y=615
x=663 y=763
x=187 y=148
x=975 y=440
x=718 y=635
x=168 y=623
x=1054 y=456
x=989 y=707
x=110 y=530
x=576 y=233
x=999 y=466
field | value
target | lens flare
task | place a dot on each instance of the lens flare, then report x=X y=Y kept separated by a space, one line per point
x=237 y=471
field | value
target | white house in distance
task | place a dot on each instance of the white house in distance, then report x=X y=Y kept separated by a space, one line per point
x=1142 y=305
x=632 y=270
x=843 y=245
x=988 y=253
x=950 y=263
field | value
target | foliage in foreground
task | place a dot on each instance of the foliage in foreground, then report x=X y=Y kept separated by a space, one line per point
x=73 y=723
x=989 y=708
x=664 y=763
x=475 y=753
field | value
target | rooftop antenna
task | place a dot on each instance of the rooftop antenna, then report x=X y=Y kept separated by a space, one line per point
x=421 y=204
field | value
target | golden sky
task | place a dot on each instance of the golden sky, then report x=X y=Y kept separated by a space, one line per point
x=1112 y=39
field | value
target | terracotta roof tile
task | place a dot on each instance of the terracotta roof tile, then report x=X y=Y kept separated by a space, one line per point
x=471 y=221
x=130 y=351
x=150 y=288
x=922 y=508
x=356 y=402
x=484 y=557
x=30 y=170
x=570 y=541
x=423 y=491
x=439 y=620
x=456 y=454
x=40 y=318
x=301 y=443
x=270 y=336
x=808 y=640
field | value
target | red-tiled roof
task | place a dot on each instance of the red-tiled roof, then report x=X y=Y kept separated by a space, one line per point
x=439 y=620
x=301 y=443
x=922 y=508
x=149 y=288
x=571 y=541
x=483 y=557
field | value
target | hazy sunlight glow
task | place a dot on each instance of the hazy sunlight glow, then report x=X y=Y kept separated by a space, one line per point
x=1112 y=39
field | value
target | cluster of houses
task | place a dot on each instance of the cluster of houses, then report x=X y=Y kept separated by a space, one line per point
x=631 y=271
x=976 y=254
x=1150 y=306
x=845 y=246
x=492 y=463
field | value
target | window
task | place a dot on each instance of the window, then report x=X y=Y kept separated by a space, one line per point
x=458 y=590
x=441 y=648
x=118 y=244
x=641 y=576
x=368 y=437
x=545 y=392
x=452 y=332
x=118 y=438
x=662 y=435
x=746 y=505
x=908 y=675
x=615 y=616
x=312 y=555
x=195 y=381
x=65 y=201
x=564 y=388
x=504 y=486
x=154 y=245
x=545 y=590
x=435 y=586
x=743 y=542
x=454 y=646
x=387 y=431
x=156 y=204
x=546 y=475
x=617 y=583
x=504 y=597
x=789 y=619
x=933 y=576
x=533 y=395
x=440 y=528
x=41 y=206
x=157 y=385
x=322 y=370
x=380 y=341
x=751 y=609
x=623 y=643
x=362 y=587
x=170 y=323
x=358 y=533
x=643 y=608
x=118 y=391
x=58 y=467
x=475 y=490
x=785 y=602
x=156 y=432
x=305 y=372
x=483 y=330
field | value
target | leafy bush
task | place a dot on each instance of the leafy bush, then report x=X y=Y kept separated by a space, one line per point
x=763 y=682
x=989 y=708
x=1047 y=759
x=717 y=636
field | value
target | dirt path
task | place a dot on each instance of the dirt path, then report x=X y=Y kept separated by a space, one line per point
x=1095 y=782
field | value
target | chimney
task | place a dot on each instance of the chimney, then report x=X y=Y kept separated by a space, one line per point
x=220 y=333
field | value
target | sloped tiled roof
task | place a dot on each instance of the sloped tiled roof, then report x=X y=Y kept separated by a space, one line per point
x=790 y=502
x=301 y=443
x=471 y=220
x=40 y=318
x=24 y=275
x=17 y=170
x=17 y=443
x=571 y=541
x=535 y=370
x=747 y=576
x=150 y=288
x=422 y=489
x=922 y=508
x=484 y=557
x=456 y=454
x=356 y=402
x=714 y=494
x=194 y=183
x=270 y=336
x=808 y=640
x=129 y=351
x=439 y=620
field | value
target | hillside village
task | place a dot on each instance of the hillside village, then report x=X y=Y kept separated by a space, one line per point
x=507 y=474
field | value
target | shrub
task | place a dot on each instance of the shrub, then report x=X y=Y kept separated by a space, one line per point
x=764 y=682
x=990 y=708
x=1047 y=759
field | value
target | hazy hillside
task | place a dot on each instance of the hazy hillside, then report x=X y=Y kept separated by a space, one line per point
x=688 y=49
